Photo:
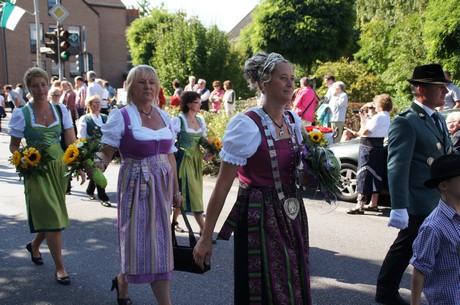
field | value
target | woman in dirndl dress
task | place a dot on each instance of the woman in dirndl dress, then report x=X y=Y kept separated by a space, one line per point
x=41 y=122
x=372 y=154
x=89 y=125
x=147 y=186
x=269 y=221
x=190 y=128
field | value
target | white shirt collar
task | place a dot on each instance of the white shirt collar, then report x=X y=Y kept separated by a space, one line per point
x=428 y=111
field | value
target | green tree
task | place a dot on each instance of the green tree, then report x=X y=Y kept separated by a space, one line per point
x=391 y=41
x=178 y=46
x=441 y=32
x=302 y=30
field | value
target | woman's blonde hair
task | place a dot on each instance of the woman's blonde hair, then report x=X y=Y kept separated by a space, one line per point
x=138 y=72
x=89 y=101
x=53 y=90
x=384 y=100
x=34 y=72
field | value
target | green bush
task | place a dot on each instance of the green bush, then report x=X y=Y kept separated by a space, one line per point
x=361 y=86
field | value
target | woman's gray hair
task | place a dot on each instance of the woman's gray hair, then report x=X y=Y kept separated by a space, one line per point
x=259 y=68
x=341 y=85
x=138 y=72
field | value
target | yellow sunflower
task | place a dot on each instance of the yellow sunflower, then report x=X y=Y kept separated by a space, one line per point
x=70 y=154
x=316 y=136
x=32 y=156
x=217 y=144
x=16 y=158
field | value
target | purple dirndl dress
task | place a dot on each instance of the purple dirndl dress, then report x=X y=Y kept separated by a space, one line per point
x=271 y=251
x=145 y=192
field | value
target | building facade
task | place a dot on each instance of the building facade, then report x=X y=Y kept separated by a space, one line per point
x=99 y=25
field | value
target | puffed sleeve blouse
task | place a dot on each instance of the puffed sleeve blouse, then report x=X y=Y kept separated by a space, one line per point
x=18 y=122
x=175 y=122
x=114 y=129
x=242 y=137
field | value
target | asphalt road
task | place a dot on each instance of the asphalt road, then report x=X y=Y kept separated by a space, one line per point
x=346 y=252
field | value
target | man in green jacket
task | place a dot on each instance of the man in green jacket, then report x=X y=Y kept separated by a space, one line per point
x=416 y=138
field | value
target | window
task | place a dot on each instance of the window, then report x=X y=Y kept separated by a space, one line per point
x=33 y=36
x=52 y=3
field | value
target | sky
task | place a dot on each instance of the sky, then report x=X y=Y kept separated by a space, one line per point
x=223 y=13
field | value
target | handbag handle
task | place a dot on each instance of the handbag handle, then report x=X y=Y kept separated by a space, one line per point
x=191 y=236
x=305 y=110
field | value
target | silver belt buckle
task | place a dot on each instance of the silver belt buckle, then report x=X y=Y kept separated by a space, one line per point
x=291 y=207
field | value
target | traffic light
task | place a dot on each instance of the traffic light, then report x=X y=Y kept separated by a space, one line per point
x=53 y=45
x=64 y=44
x=80 y=62
x=90 y=61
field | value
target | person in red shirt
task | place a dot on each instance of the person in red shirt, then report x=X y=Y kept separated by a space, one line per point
x=305 y=102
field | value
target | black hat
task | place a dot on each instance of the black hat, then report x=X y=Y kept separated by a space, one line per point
x=443 y=168
x=428 y=74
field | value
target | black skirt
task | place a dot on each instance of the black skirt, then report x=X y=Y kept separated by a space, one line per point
x=371 y=166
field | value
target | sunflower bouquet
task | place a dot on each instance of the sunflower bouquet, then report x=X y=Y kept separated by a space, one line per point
x=31 y=160
x=80 y=155
x=321 y=169
x=211 y=145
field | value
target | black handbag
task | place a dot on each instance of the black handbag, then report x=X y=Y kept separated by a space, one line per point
x=183 y=255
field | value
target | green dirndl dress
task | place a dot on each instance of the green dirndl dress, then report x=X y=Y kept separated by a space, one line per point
x=45 y=194
x=190 y=171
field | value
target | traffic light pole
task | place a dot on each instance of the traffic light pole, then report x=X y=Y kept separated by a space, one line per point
x=38 y=31
x=60 y=63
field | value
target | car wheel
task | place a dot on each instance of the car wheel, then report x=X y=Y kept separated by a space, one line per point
x=348 y=191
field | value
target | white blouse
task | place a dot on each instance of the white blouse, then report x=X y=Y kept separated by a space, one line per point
x=242 y=137
x=378 y=125
x=18 y=122
x=114 y=129
x=175 y=122
x=82 y=125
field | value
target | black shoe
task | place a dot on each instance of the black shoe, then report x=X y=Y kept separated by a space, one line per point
x=355 y=211
x=177 y=228
x=91 y=197
x=126 y=301
x=391 y=300
x=35 y=260
x=65 y=280
x=371 y=209
x=106 y=203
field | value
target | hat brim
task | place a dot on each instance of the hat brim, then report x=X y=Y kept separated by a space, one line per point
x=433 y=182
x=428 y=81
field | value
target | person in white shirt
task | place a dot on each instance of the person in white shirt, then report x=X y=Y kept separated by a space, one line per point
x=20 y=92
x=338 y=104
x=105 y=98
x=204 y=93
x=329 y=80
x=372 y=154
x=452 y=99
x=191 y=86
x=93 y=87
